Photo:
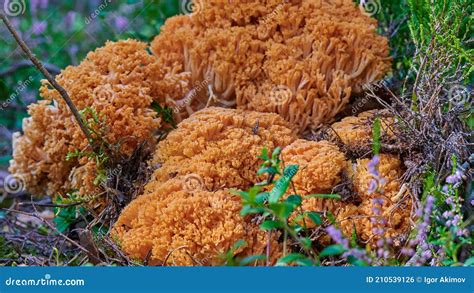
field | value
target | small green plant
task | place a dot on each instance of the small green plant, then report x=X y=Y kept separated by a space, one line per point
x=68 y=211
x=98 y=128
x=230 y=258
x=166 y=113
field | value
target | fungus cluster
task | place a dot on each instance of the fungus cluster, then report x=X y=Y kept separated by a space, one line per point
x=285 y=66
x=221 y=146
x=175 y=225
x=299 y=58
x=187 y=215
x=378 y=206
x=187 y=210
x=116 y=83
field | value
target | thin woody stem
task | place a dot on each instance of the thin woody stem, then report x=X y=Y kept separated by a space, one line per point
x=49 y=77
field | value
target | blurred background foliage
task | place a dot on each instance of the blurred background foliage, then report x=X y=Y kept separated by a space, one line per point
x=61 y=33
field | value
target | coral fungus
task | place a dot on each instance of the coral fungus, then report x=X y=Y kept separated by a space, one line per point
x=175 y=226
x=321 y=165
x=221 y=146
x=301 y=59
x=386 y=207
x=356 y=131
x=116 y=82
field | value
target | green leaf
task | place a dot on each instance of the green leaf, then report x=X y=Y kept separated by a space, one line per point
x=354 y=236
x=238 y=245
x=261 y=197
x=294 y=200
x=306 y=262
x=469 y=262
x=315 y=218
x=282 y=184
x=270 y=225
x=357 y=262
x=250 y=259
x=331 y=250
x=276 y=152
x=270 y=170
x=376 y=129
x=297 y=258
x=249 y=210
x=264 y=155
x=282 y=209
x=328 y=196
x=306 y=242
x=331 y=218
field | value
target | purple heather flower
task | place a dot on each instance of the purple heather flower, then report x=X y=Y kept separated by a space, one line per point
x=456 y=220
x=451 y=179
x=472 y=202
x=35 y=4
x=424 y=246
x=373 y=186
x=419 y=213
x=455 y=178
x=377 y=231
x=459 y=232
x=69 y=19
x=380 y=243
x=407 y=251
x=376 y=211
x=429 y=205
x=449 y=200
x=426 y=254
x=44 y=4
x=336 y=235
x=120 y=23
x=373 y=164
x=447 y=214
x=378 y=201
x=382 y=253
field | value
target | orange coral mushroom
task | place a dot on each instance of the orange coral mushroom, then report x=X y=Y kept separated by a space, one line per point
x=387 y=207
x=117 y=82
x=321 y=165
x=220 y=146
x=176 y=226
x=301 y=59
